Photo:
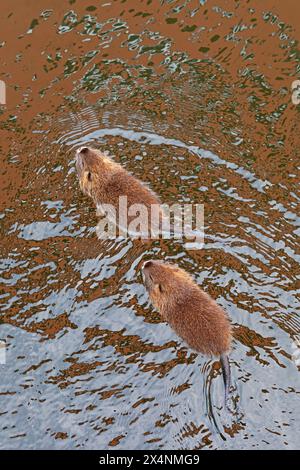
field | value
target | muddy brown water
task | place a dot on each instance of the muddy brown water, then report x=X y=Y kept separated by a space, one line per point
x=193 y=97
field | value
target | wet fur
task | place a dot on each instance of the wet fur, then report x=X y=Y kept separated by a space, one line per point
x=190 y=311
x=105 y=181
x=193 y=314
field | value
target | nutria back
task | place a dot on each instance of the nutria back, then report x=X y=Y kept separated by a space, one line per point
x=190 y=311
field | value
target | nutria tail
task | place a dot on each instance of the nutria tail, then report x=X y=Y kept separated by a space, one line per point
x=226 y=375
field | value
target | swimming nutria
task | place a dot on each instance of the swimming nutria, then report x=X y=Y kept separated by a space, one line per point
x=190 y=311
x=105 y=181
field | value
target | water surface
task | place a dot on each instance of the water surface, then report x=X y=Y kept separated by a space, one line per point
x=195 y=99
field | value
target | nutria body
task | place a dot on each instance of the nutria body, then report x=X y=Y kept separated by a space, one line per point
x=190 y=311
x=105 y=181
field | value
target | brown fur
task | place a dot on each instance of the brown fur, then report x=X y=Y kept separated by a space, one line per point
x=191 y=312
x=105 y=180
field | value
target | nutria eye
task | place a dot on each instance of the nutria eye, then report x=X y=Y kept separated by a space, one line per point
x=89 y=176
x=160 y=288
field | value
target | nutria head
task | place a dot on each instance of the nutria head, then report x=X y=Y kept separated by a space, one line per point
x=93 y=169
x=166 y=283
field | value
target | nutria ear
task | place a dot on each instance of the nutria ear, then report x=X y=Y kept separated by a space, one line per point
x=85 y=179
x=158 y=289
x=87 y=176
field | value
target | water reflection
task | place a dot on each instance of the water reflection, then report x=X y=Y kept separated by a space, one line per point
x=193 y=99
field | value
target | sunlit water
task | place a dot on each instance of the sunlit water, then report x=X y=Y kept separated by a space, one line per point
x=194 y=98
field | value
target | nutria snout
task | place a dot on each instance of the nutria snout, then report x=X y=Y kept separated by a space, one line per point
x=83 y=150
x=86 y=159
x=190 y=311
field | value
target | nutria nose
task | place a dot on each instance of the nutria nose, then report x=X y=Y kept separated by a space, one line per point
x=83 y=150
x=147 y=264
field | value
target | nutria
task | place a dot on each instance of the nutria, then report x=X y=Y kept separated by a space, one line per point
x=105 y=181
x=190 y=311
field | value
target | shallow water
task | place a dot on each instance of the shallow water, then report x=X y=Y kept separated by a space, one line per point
x=195 y=99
